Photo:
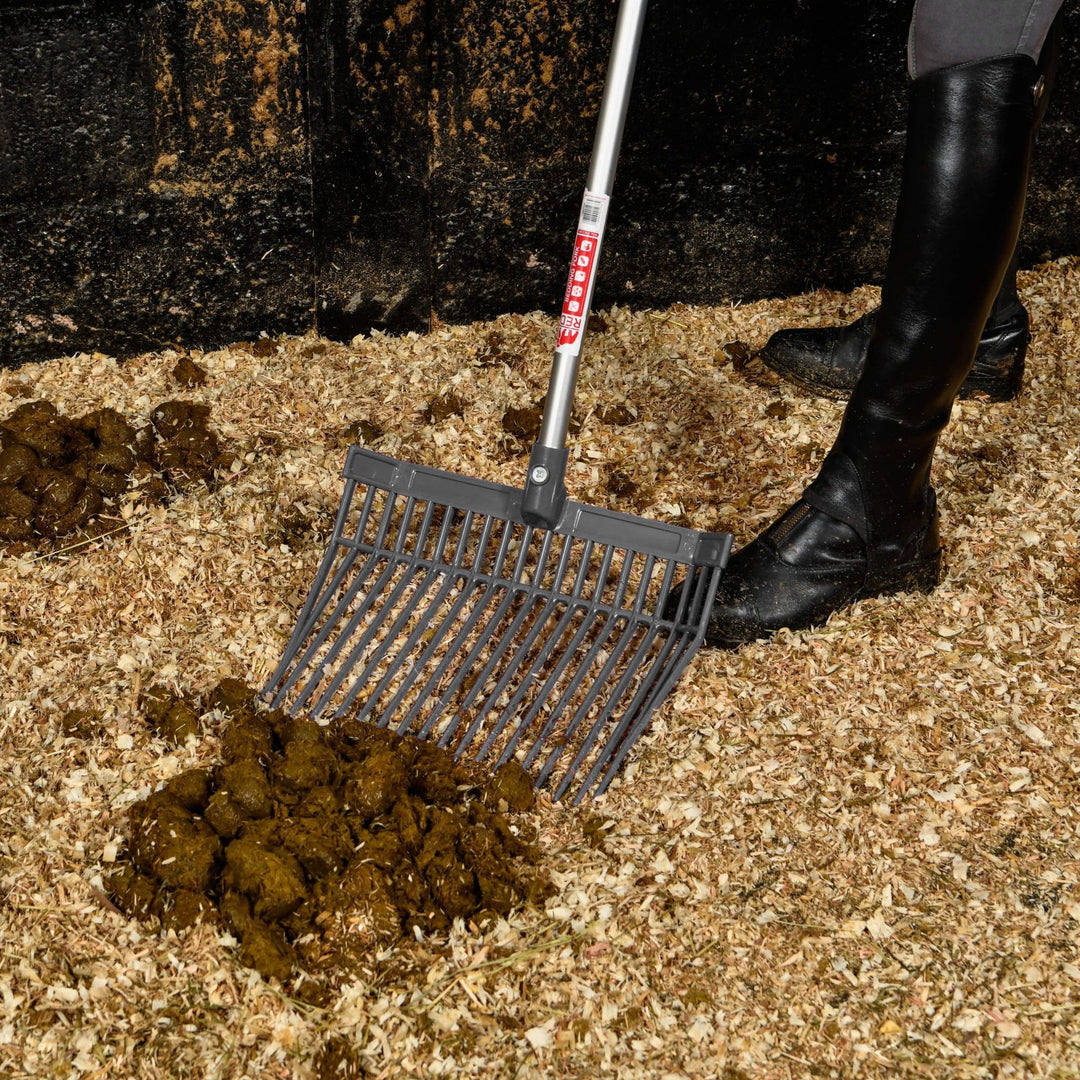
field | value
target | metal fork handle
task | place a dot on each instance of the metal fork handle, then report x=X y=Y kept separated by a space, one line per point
x=600 y=181
x=544 y=492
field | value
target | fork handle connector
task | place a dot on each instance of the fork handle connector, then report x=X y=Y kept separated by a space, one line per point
x=544 y=497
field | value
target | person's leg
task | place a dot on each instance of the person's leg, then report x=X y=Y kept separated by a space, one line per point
x=944 y=33
x=828 y=360
x=868 y=523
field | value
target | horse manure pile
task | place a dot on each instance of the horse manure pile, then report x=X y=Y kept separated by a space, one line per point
x=61 y=477
x=319 y=848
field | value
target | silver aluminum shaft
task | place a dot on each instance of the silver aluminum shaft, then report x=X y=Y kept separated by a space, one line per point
x=601 y=180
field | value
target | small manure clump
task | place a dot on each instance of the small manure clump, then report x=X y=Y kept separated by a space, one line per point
x=318 y=847
x=61 y=477
x=183 y=446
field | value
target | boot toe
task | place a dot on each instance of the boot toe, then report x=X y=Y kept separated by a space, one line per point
x=826 y=360
x=760 y=593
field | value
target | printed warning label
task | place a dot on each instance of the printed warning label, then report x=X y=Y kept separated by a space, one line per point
x=575 y=309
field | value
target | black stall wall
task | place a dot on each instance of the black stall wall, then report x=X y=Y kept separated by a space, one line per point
x=154 y=174
x=199 y=171
x=372 y=140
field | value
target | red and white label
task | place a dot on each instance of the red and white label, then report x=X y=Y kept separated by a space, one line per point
x=575 y=309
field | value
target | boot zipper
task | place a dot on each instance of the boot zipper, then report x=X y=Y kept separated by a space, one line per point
x=791 y=521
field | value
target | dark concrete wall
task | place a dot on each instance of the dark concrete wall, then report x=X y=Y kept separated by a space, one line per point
x=197 y=171
x=154 y=181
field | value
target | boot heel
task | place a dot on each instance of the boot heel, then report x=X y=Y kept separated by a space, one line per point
x=927 y=576
x=923 y=576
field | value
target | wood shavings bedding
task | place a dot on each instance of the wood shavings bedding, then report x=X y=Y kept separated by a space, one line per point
x=848 y=852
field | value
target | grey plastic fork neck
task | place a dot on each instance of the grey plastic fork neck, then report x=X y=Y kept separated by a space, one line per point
x=544 y=497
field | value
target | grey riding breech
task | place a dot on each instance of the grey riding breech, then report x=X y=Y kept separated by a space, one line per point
x=948 y=32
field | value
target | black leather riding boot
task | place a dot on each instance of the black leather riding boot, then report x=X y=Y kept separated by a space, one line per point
x=828 y=360
x=868 y=524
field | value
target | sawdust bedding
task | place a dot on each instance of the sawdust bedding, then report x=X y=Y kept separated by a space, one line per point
x=852 y=852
